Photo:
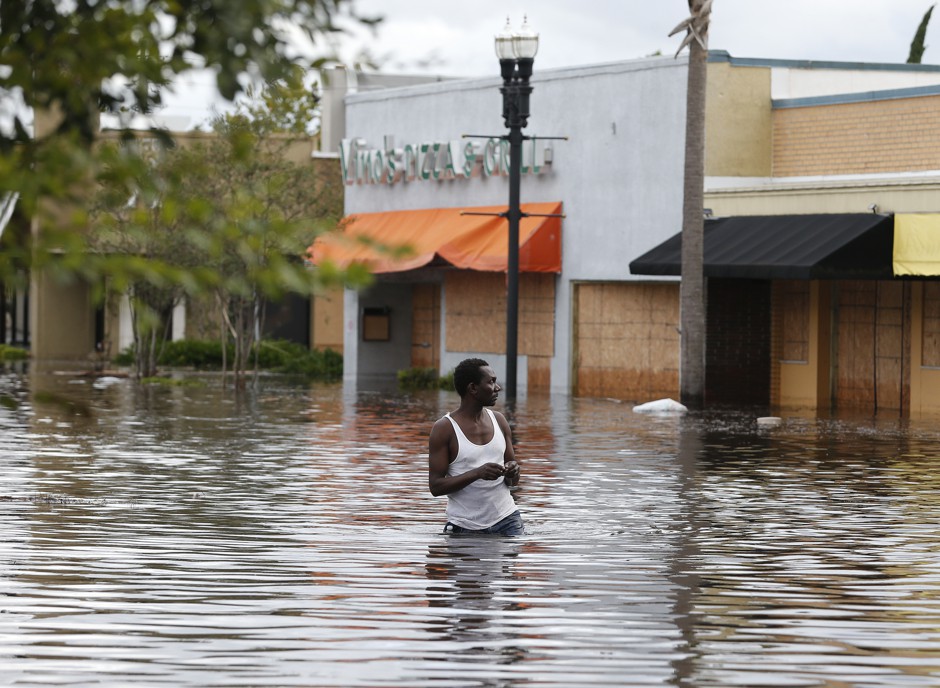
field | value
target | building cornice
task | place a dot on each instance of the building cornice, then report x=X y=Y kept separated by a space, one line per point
x=717 y=186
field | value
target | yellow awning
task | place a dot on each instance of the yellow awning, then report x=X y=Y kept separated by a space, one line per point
x=474 y=242
x=917 y=244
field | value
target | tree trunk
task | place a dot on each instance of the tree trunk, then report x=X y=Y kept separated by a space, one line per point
x=692 y=286
x=223 y=333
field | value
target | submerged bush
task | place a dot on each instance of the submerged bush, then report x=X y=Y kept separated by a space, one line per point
x=446 y=381
x=12 y=353
x=424 y=378
x=194 y=353
x=295 y=359
x=279 y=356
x=171 y=382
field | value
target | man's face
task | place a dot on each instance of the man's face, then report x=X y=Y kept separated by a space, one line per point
x=487 y=390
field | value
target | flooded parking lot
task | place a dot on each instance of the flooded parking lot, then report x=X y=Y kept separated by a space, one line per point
x=188 y=536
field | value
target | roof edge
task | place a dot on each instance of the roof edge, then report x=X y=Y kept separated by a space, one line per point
x=860 y=97
x=725 y=56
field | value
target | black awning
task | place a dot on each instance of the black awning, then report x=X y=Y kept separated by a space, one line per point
x=835 y=246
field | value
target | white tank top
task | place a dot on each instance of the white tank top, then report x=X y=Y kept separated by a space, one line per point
x=482 y=503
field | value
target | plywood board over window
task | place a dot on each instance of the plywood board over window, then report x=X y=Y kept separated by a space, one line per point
x=426 y=326
x=792 y=298
x=476 y=312
x=930 y=355
x=376 y=325
x=626 y=340
x=872 y=365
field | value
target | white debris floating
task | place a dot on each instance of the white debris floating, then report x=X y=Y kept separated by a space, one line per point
x=106 y=381
x=661 y=406
x=769 y=421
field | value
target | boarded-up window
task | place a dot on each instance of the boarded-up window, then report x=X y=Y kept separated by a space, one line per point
x=627 y=340
x=376 y=325
x=931 y=343
x=476 y=312
x=793 y=298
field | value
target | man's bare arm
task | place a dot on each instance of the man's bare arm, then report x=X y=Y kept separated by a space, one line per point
x=511 y=466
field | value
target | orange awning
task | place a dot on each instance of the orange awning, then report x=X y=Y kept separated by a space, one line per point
x=472 y=242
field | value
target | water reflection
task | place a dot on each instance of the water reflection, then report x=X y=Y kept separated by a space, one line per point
x=189 y=536
x=476 y=583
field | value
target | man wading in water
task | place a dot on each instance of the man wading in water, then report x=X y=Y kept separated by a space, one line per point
x=471 y=460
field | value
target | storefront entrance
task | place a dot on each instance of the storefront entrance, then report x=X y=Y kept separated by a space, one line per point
x=426 y=326
x=738 y=336
x=626 y=340
x=872 y=322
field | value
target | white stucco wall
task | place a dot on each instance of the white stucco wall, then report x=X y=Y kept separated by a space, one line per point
x=794 y=82
x=619 y=174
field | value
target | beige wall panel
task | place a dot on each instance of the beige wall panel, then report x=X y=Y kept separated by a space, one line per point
x=738 y=121
x=62 y=319
x=797 y=386
x=927 y=403
x=910 y=195
x=326 y=320
x=627 y=342
x=803 y=385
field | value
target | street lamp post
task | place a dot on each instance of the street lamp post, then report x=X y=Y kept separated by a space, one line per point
x=516 y=52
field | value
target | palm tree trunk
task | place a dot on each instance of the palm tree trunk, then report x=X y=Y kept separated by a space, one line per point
x=692 y=286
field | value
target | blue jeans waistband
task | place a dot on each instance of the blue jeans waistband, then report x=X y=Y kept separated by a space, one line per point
x=511 y=525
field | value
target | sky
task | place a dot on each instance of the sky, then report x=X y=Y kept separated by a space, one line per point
x=455 y=37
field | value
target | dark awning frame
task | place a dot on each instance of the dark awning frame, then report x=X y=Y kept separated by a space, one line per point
x=801 y=247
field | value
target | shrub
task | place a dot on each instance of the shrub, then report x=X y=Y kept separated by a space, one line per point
x=279 y=356
x=172 y=382
x=324 y=365
x=125 y=358
x=417 y=378
x=278 y=353
x=194 y=353
x=446 y=381
x=12 y=353
x=424 y=378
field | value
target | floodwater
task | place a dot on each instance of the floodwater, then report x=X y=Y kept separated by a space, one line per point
x=188 y=536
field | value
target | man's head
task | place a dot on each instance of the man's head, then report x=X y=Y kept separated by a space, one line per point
x=468 y=371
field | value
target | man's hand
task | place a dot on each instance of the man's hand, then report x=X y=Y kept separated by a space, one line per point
x=490 y=471
x=511 y=472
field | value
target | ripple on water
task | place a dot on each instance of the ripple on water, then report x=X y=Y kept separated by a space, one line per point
x=191 y=537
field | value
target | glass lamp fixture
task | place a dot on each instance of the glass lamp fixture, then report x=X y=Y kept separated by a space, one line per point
x=525 y=41
x=517 y=45
x=504 y=41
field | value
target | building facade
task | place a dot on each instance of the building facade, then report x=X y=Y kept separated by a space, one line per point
x=838 y=138
x=807 y=144
x=61 y=321
x=617 y=179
